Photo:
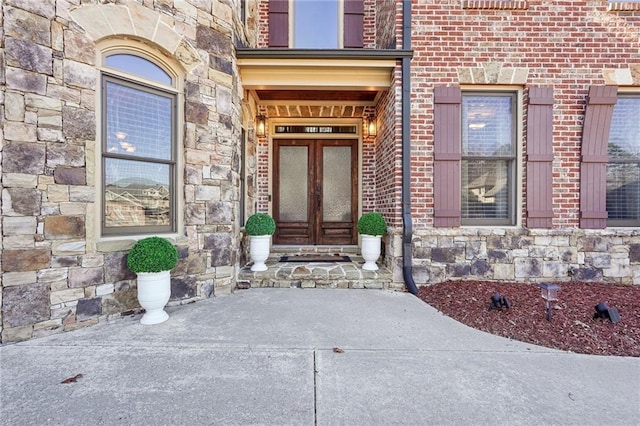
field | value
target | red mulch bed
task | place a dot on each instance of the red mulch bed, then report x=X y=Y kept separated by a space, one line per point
x=572 y=327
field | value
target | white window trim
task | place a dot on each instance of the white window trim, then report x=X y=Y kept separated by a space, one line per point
x=520 y=143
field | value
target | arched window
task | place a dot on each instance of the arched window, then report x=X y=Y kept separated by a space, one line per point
x=139 y=146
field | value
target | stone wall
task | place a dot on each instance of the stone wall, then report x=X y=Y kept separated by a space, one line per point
x=521 y=255
x=58 y=273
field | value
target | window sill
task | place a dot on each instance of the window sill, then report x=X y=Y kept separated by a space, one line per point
x=623 y=6
x=495 y=4
x=124 y=243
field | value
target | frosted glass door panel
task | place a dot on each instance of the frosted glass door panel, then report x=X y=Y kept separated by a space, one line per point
x=336 y=183
x=294 y=183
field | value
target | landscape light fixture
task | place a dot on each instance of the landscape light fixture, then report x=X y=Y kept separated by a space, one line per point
x=606 y=312
x=549 y=293
x=498 y=302
x=261 y=126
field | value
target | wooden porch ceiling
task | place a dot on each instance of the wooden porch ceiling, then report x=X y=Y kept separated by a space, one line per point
x=357 y=96
x=315 y=85
x=316 y=103
x=316 y=111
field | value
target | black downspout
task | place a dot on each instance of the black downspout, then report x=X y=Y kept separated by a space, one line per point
x=407 y=229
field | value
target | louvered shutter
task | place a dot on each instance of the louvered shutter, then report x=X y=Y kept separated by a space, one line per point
x=353 y=23
x=447 y=155
x=593 y=169
x=540 y=158
x=279 y=23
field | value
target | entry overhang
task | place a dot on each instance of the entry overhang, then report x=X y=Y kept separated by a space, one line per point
x=308 y=70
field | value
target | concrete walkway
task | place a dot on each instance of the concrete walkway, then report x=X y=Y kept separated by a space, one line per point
x=266 y=356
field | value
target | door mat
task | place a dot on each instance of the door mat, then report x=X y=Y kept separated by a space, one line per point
x=310 y=258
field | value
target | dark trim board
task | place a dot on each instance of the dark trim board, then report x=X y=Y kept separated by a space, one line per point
x=314 y=258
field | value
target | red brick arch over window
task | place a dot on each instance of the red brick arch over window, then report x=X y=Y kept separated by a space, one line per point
x=593 y=171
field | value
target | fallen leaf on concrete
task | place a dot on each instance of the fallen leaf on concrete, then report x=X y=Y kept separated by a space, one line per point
x=72 y=379
x=338 y=350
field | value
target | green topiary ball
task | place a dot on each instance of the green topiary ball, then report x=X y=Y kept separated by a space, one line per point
x=372 y=223
x=260 y=224
x=152 y=254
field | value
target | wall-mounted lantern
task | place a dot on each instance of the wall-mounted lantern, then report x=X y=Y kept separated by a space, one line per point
x=261 y=126
x=370 y=127
x=549 y=293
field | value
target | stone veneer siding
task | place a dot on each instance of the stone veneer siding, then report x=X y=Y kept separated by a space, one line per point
x=527 y=255
x=57 y=273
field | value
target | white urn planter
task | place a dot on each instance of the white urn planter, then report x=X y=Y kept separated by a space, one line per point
x=371 y=227
x=371 y=251
x=259 y=246
x=154 y=291
x=260 y=227
x=152 y=260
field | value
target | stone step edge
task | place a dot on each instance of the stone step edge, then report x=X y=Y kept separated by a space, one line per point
x=277 y=250
x=380 y=284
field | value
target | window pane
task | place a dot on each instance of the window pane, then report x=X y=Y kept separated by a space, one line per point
x=488 y=158
x=138 y=122
x=487 y=126
x=315 y=24
x=623 y=170
x=317 y=129
x=485 y=189
x=623 y=191
x=336 y=174
x=624 y=136
x=294 y=184
x=138 y=66
x=137 y=193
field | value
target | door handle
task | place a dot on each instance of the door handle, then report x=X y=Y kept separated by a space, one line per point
x=318 y=195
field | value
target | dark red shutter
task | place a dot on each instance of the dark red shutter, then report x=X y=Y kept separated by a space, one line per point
x=540 y=158
x=353 y=23
x=279 y=23
x=593 y=170
x=447 y=153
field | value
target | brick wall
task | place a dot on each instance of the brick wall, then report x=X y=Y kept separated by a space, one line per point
x=385 y=21
x=567 y=45
x=388 y=156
